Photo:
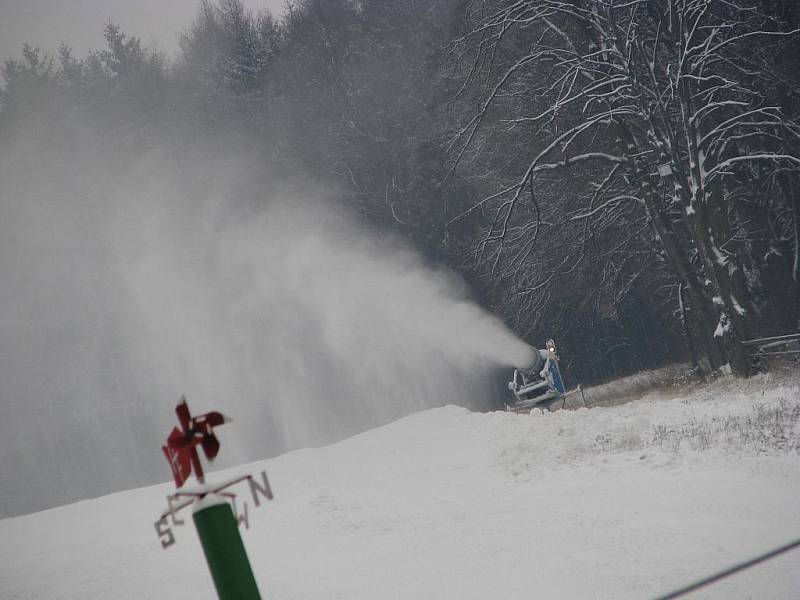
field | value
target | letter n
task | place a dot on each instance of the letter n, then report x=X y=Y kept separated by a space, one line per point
x=255 y=489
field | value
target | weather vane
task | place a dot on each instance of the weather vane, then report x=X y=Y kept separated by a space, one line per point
x=214 y=517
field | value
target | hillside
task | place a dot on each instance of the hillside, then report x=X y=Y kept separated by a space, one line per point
x=616 y=502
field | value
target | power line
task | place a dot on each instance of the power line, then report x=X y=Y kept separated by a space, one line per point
x=730 y=571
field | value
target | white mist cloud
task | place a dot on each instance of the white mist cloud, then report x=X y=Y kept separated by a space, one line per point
x=130 y=282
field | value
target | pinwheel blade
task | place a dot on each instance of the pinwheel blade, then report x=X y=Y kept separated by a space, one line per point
x=182 y=410
x=210 y=446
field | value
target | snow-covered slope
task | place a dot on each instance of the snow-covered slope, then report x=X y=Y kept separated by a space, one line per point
x=619 y=502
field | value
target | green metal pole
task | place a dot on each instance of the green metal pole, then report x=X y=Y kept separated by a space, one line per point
x=224 y=550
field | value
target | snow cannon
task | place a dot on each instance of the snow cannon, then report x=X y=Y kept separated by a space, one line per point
x=214 y=509
x=540 y=385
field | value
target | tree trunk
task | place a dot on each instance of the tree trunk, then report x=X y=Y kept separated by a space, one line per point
x=681 y=266
x=686 y=331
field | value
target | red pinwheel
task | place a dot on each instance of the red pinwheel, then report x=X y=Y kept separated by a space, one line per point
x=181 y=448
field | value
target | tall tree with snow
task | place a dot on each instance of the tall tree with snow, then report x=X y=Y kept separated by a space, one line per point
x=675 y=114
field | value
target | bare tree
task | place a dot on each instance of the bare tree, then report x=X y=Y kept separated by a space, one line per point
x=665 y=108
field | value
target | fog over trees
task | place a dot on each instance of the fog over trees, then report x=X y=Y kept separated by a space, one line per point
x=621 y=176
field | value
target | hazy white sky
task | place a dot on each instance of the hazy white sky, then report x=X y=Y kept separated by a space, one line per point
x=79 y=23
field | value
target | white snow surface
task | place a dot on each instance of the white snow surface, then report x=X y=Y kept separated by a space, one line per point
x=616 y=502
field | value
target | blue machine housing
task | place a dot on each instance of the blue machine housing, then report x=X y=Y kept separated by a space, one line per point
x=540 y=385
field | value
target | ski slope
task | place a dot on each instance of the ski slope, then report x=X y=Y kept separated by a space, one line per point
x=619 y=502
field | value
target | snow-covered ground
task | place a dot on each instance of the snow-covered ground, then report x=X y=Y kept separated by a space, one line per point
x=625 y=501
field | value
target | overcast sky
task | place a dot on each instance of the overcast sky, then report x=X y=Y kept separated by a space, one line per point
x=79 y=23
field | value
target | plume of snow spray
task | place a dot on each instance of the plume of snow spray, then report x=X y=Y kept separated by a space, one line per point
x=128 y=284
